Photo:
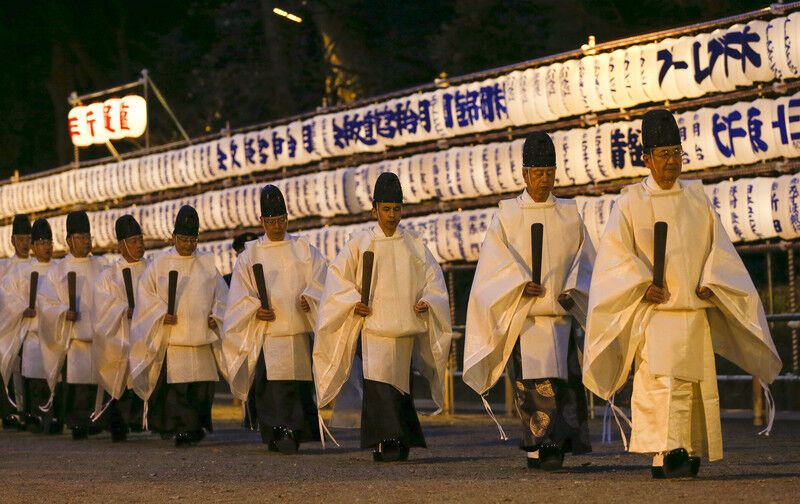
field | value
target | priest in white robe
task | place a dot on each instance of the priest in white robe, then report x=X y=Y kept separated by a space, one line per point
x=406 y=319
x=174 y=358
x=706 y=305
x=112 y=323
x=21 y=241
x=66 y=335
x=268 y=350
x=20 y=349
x=519 y=324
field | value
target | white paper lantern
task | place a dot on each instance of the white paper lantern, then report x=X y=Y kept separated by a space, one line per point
x=650 y=71
x=786 y=125
x=758 y=71
x=588 y=84
x=786 y=206
x=516 y=163
x=602 y=69
x=776 y=54
x=682 y=52
x=569 y=81
x=552 y=84
x=706 y=153
x=516 y=98
x=618 y=79
x=543 y=110
x=633 y=75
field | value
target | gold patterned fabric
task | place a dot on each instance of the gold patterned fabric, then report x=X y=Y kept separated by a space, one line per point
x=551 y=409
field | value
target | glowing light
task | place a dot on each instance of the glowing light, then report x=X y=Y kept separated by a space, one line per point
x=287 y=15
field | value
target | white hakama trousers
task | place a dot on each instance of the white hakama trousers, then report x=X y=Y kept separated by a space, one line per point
x=669 y=413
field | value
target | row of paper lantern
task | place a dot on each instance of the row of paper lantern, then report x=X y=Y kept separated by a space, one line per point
x=686 y=67
x=740 y=133
x=749 y=209
x=466 y=172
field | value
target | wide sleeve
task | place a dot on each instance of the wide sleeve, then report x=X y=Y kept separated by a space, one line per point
x=433 y=348
x=496 y=308
x=148 y=346
x=316 y=284
x=739 y=325
x=218 y=315
x=243 y=334
x=111 y=325
x=53 y=327
x=13 y=300
x=579 y=278
x=337 y=328
x=618 y=284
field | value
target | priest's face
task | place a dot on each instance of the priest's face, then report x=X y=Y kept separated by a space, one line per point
x=185 y=245
x=665 y=164
x=132 y=248
x=275 y=227
x=80 y=244
x=43 y=250
x=388 y=216
x=539 y=182
x=22 y=245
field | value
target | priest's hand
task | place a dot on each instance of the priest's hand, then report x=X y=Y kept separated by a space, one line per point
x=130 y=313
x=534 y=289
x=704 y=293
x=73 y=316
x=362 y=310
x=421 y=306
x=29 y=313
x=170 y=319
x=265 y=314
x=656 y=295
x=303 y=304
x=212 y=324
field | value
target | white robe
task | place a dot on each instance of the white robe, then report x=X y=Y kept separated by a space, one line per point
x=61 y=338
x=675 y=402
x=111 y=344
x=292 y=268
x=404 y=273
x=15 y=331
x=9 y=263
x=498 y=314
x=192 y=350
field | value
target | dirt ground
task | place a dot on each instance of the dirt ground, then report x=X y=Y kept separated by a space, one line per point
x=466 y=462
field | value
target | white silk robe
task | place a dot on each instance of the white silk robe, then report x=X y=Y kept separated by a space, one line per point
x=192 y=350
x=15 y=331
x=498 y=314
x=292 y=268
x=111 y=344
x=675 y=401
x=61 y=338
x=404 y=273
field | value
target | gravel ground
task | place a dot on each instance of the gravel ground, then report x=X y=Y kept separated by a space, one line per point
x=466 y=462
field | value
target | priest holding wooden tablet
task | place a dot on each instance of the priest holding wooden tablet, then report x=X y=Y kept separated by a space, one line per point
x=668 y=292
x=391 y=308
x=175 y=335
x=527 y=300
x=275 y=290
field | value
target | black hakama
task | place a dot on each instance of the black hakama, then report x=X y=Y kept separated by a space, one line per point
x=552 y=410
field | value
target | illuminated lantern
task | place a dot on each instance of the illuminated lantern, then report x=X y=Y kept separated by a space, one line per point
x=543 y=110
x=527 y=93
x=758 y=71
x=78 y=129
x=604 y=169
x=786 y=124
x=721 y=201
x=619 y=66
x=570 y=83
x=589 y=154
x=488 y=154
x=504 y=167
x=633 y=75
x=515 y=98
x=553 y=89
x=705 y=149
x=133 y=115
x=785 y=197
x=602 y=72
x=667 y=73
x=682 y=51
x=650 y=71
x=776 y=47
x=684 y=121
x=758 y=193
x=563 y=178
x=516 y=162
x=588 y=84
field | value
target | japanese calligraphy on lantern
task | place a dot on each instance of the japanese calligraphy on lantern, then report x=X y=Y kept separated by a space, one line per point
x=112 y=119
